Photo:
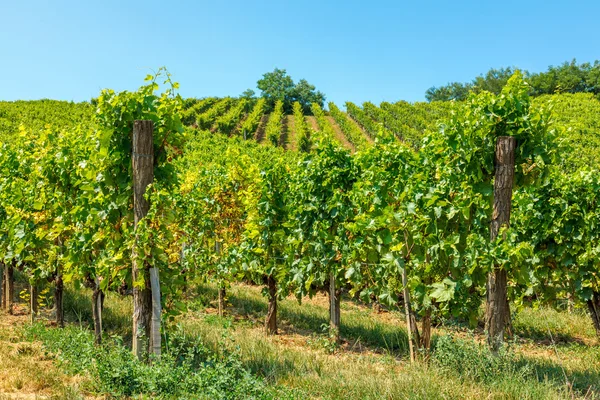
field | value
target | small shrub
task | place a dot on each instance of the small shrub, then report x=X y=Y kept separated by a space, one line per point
x=187 y=368
x=471 y=360
x=326 y=340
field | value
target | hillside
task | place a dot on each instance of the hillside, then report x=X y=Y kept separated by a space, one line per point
x=576 y=114
x=312 y=254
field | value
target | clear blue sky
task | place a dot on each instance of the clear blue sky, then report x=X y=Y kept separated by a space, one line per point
x=351 y=50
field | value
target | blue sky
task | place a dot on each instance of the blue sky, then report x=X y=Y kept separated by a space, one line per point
x=351 y=50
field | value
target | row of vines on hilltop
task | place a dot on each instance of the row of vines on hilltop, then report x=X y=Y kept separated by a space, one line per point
x=387 y=222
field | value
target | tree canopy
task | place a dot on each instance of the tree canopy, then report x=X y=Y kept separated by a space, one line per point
x=568 y=77
x=279 y=86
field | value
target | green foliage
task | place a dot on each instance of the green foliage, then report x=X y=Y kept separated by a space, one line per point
x=35 y=115
x=275 y=124
x=302 y=129
x=191 y=112
x=248 y=94
x=117 y=111
x=206 y=119
x=353 y=133
x=326 y=340
x=568 y=77
x=187 y=369
x=473 y=361
x=305 y=94
x=224 y=209
x=276 y=87
x=360 y=116
x=452 y=91
x=252 y=121
x=235 y=200
x=450 y=205
x=279 y=86
x=325 y=129
x=578 y=114
x=565 y=245
x=229 y=121
x=320 y=207
x=412 y=122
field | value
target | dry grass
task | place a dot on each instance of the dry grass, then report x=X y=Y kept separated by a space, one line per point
x=371 y=362
x=25 y=371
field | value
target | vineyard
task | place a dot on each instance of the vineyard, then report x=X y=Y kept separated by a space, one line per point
x=453 y=225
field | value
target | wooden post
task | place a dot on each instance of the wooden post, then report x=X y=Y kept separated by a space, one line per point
x=425 y=339
x=334 y=308
x=10 y=287
x=594 y=309
x=156 y=312
x=184 y=271
x=142 y=161
x=497 y=315
x=97 y=311
x=33 y=303
x=271 y=319
x=221 y=288
x=2 y=288
x=58 y=301
x=408 y=312
x=221 y=300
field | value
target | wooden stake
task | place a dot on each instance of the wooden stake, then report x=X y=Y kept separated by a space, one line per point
x=497 y=315
x=58 y=301
x=271 y=319
x=408 y=312
x=2 y=286
x=10 y=287
x=33 y=304
x=334 y=308
x=142 y=161
x=97 y=311
x=156 y=312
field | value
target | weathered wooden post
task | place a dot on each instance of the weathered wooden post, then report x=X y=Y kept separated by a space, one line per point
x=97 y=310
x=221 y=289
x=156 y=312
x=334 y=308
x=594 y=307
x=497 y=315
x=410 y=320
x=2 y=290
x=33 y=303
x=10 y=287
x=271 y=319
x=59 y=287
x=146 y=299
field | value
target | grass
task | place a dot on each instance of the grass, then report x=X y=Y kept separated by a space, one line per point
x=26 y=371
x=371 y=362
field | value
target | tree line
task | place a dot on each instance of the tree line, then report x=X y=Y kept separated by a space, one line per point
x=568 y=77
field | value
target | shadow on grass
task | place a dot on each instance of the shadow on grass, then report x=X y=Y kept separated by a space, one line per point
x=472 y=361
x=359 y=331
x=115 y=318
x=583 y=382
x=542 y=338
x=309 y=319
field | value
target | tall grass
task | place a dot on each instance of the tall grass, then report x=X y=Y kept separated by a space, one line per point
x=371 y=362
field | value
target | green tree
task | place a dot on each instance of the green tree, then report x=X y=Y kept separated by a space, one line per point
x=276 y=85
x=452 y=91
x=494 y=80
x=306 y=94
x=279 y=86
x=248 y=94
x=568 y=77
